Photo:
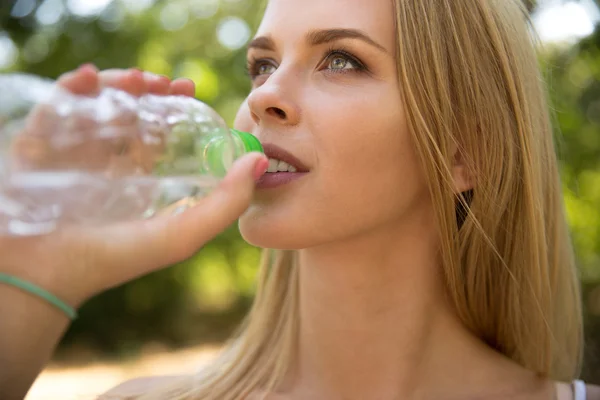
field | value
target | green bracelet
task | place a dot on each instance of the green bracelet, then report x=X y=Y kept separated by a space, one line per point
x=38 y=291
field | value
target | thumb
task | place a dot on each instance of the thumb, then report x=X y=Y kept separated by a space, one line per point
x=141 y=247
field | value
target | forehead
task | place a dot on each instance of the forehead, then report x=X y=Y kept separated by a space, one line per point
x=291 y=19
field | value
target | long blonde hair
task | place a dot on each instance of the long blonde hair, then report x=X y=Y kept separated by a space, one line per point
x=471 y=85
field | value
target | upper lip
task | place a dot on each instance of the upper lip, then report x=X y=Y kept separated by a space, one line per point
x=278 y=153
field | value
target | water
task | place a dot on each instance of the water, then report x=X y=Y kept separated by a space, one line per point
x=67 y=159
x=38 y=202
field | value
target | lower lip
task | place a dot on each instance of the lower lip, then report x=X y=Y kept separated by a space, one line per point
x=272 y=180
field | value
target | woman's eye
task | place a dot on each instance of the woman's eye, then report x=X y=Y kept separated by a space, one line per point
x=340 y=63
x=265 y=69
x=260 y=67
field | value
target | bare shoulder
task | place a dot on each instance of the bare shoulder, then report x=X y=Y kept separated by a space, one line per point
x=139 y=386
x=593 y=392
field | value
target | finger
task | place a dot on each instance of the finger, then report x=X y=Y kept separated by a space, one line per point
x=83 y=81
x=185 y=233
x=157 y=84
x=131 y=81
x=43 y=119
x=183 y=87
x=136 y=249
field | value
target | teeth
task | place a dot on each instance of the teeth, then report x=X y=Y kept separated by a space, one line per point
x=273 y=165
x=280 y=166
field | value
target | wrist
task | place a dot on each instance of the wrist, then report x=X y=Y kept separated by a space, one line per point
x=38 y=292
x=47 y=280
x=45 y=262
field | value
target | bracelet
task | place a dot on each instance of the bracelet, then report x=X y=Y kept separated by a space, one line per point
x=38 y=291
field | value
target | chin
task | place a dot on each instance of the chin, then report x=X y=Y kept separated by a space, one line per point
x=273 y=233
x=270 y=238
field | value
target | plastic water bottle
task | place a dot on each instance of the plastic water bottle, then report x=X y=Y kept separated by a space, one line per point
x=67 y=159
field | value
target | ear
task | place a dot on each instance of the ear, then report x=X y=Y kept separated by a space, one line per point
x=461 y=174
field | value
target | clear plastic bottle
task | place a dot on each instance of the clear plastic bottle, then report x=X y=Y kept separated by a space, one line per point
x=69 y=159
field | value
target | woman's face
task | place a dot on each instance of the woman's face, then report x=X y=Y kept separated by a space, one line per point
x=325 y=89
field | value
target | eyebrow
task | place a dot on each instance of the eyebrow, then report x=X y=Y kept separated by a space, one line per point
x=318 y=37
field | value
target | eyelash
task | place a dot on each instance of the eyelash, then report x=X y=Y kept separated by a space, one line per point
x=255 y=63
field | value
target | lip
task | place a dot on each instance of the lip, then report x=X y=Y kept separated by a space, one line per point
x=272 y=180
x=274 y=151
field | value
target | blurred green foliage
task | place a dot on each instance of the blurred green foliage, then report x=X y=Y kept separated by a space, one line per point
x=204 y=298
x=574 y=82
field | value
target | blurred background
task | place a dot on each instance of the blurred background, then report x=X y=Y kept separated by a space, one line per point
x=174 y=320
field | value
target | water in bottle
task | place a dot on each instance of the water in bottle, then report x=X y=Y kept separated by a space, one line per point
x=70 y=159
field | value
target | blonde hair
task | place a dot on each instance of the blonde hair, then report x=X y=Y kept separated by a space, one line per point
x=471 y=84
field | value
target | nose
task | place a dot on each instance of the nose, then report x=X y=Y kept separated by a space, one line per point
x=269 y=103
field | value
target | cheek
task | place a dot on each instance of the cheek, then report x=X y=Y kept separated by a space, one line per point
x=368 y=154
x=372 y=180
x=370 y=161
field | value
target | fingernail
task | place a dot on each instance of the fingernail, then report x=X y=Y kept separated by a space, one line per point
x=185 y=79
x=87 y=67
x=159 y=78
x=260 y=168
x=137 y=73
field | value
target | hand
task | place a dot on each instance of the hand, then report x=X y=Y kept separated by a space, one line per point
x=82 y=139
x=76 y=263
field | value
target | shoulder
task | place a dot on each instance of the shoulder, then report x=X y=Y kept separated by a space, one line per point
x=593 y=392
x=139 y=386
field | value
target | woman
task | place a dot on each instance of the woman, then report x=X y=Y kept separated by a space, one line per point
x=422 y=247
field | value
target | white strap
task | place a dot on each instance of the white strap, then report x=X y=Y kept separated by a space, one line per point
x=579 y=390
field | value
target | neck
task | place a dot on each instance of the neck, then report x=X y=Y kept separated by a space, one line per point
x=375 y=323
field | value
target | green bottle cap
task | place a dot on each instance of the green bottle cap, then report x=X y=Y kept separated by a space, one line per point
x=218 y=156
x=251 y=143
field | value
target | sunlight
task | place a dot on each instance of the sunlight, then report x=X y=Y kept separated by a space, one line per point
x=87 y=8
x=569 y=21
